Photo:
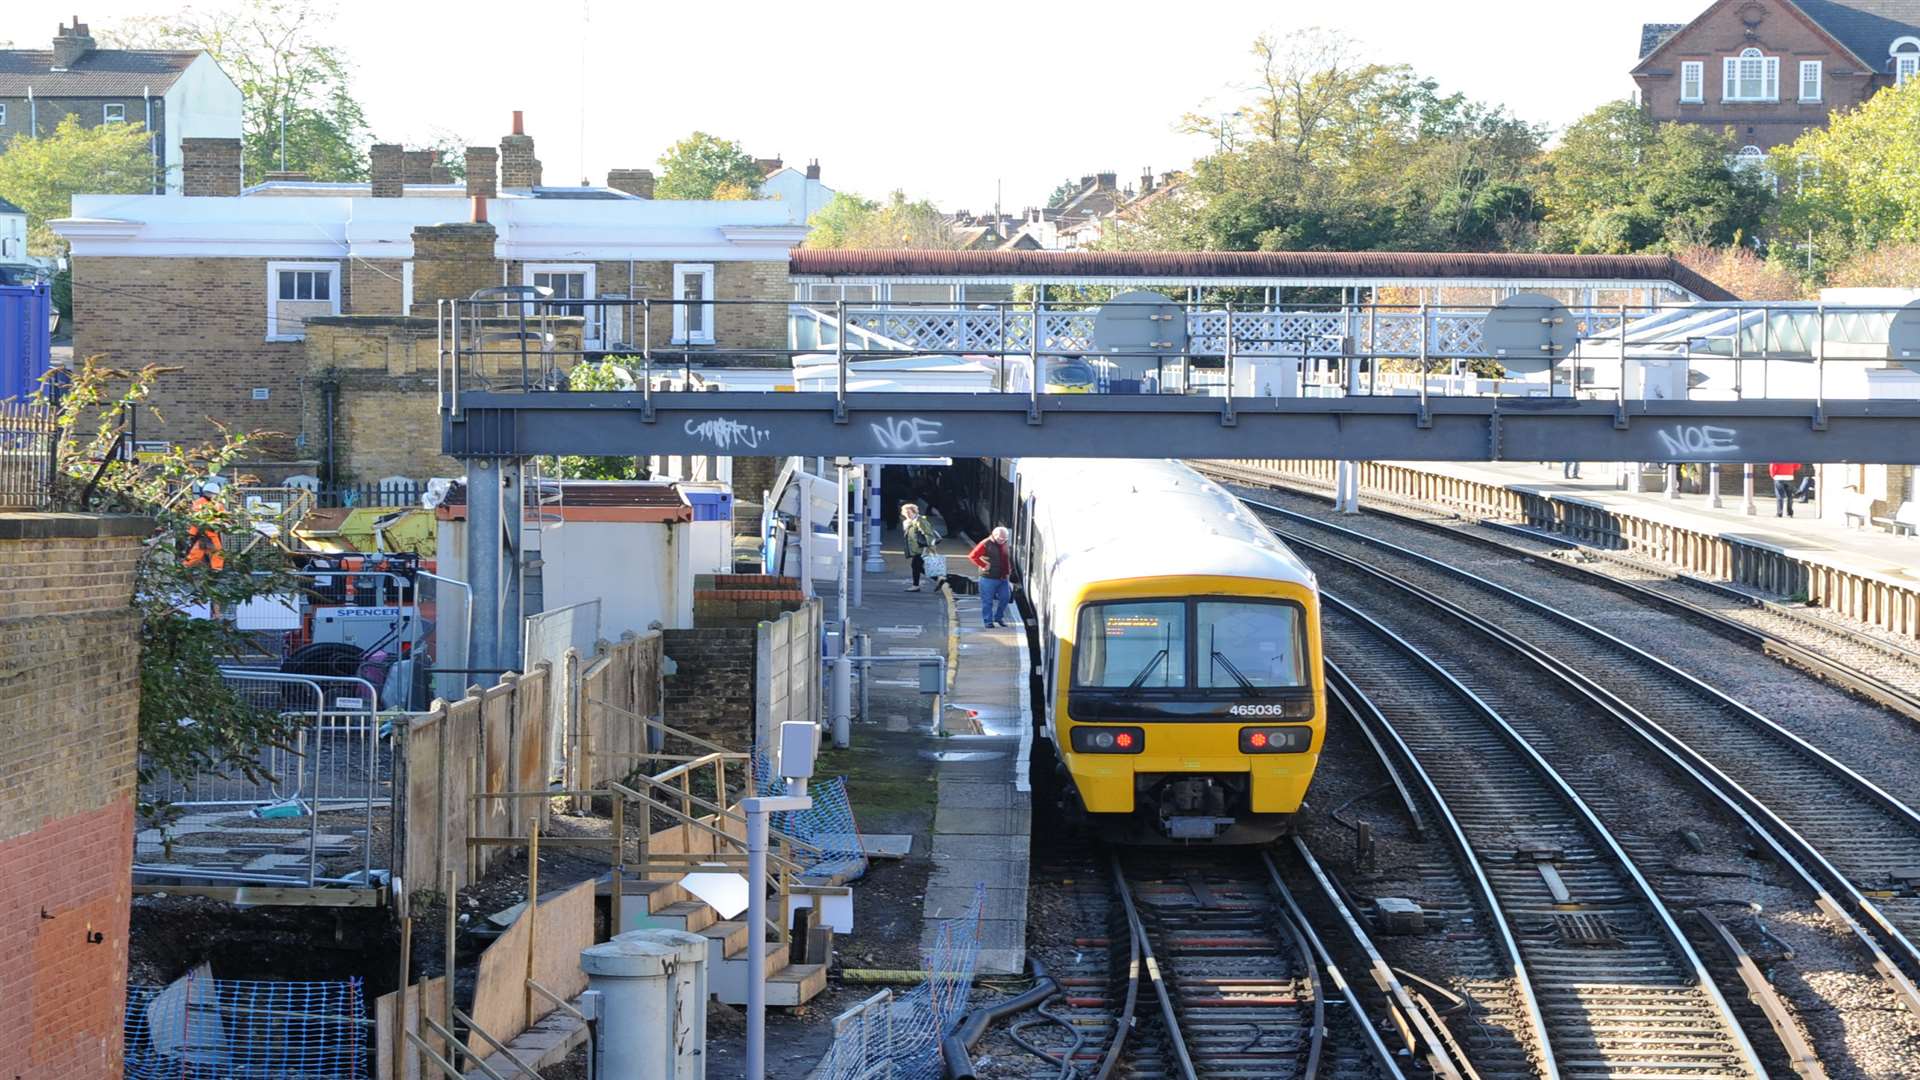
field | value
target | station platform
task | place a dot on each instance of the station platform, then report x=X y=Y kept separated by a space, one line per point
x=1805 y=536
x=981 y=811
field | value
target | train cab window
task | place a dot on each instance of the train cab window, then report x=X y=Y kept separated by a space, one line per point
x=1132 y=645
x=1245 y=645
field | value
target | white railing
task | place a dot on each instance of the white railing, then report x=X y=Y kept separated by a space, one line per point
x=1005 y=330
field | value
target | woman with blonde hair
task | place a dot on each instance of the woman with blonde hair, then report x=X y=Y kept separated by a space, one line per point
x=920 y=541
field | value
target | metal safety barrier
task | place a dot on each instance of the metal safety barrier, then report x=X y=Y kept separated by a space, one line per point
x=200 y=1028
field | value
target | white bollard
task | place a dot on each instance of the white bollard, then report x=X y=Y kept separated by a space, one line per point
x=689 y=998
x=636 y=983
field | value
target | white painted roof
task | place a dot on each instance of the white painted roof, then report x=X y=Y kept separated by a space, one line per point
x=1107 y=518
x=326 y=226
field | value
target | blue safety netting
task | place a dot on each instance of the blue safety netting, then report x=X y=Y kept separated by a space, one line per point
x=201 y=1028
x=828 y=827
x=898 y=1036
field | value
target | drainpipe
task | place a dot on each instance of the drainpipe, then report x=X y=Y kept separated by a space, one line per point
x=33 y=114
x=153 y=141
x=330 y=395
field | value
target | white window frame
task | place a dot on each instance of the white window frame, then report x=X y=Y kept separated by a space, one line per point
x=589 y=286
x=106 y=113
x=406 y=287
x=332 y=270
x=1816 y=69
x=1695 y=72
x=680 y=335
x=1905 y=54
x=3 y=113
x=1730 y=77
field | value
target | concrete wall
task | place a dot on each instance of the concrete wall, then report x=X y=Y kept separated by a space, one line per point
x=642 y=572
x=69 y=701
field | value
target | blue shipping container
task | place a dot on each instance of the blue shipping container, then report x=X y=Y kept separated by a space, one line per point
x=26 y=347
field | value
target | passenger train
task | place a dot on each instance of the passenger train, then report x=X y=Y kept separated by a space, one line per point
x=1179 y=650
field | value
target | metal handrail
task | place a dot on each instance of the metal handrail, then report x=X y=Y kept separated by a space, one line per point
x=622 y=789
x=671 y=731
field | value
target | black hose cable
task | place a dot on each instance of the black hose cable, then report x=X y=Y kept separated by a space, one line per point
x=955 y=1049
x=1064 y=1059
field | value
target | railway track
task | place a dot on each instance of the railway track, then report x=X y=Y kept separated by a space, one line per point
x=1229 y=981
x=1862 y=663
x=1855 y=845
x=1610 y=981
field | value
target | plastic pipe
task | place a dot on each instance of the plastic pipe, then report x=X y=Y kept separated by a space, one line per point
x=955 y=1048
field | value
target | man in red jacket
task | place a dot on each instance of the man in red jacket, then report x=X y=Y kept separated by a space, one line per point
x=994 y=557
x=1782 y=473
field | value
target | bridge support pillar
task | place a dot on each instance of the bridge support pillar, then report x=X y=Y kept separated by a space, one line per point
x=483 y=559
x=1346 y=487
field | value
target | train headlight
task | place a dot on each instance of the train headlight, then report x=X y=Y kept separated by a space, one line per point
x=1281 y=740
x=1108 y=740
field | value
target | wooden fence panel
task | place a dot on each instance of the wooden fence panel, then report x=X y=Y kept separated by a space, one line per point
x=459 y=778
x=390 y=1022
x=556 y=931
x=527 y=759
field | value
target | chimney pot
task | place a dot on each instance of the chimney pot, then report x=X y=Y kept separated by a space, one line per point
x=519 y=122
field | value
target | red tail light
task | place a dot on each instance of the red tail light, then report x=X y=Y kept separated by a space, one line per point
x=1088 y=739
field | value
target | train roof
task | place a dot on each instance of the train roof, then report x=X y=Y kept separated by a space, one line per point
x=1108 y=518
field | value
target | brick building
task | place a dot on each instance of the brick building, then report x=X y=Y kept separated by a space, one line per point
x=1772 y=69
x=222 y=285
x=69 y=699
x=176 y=94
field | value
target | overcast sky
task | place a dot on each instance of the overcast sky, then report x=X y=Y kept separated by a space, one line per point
x=943 y=100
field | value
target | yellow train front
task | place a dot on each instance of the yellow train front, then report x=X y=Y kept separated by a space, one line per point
x=1181 y=672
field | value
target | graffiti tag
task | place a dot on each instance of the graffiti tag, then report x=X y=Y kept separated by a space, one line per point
x=1702 y=440
x=724 y=434
x=912 y=433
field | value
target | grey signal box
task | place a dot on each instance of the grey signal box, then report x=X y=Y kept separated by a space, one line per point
x=1527 y=332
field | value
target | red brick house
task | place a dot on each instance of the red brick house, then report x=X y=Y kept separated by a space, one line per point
x=1772 y=69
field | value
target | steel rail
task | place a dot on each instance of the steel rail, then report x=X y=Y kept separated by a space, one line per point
x=1431 y=1047
x=1367 y=717
x=1474 y=875
x=1883 y=937
x=1687 y=962
x=1150 y=967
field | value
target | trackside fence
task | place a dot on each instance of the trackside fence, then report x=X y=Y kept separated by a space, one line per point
x=898 y=1036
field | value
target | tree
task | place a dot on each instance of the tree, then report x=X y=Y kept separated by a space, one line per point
x=1618 y=183
x=190 y=722
x=1855 y=184
x=701 y=166
x=613 y=373
x=850 y=221
x=1328 y=152
x=1888 y=266
x=42 y=175
x=1743 y=272
x=295 y=88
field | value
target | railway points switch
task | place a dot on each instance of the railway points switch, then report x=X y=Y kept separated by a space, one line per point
x=1398 y=915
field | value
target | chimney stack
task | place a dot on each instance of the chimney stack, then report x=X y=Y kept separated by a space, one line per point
x=1108 y=181
x=813 y=169
x=1146 y=179
x=518 y=167
x=451 y=262
x=70 y=44
x=417 y=166
x=210 y=166
x=483 y=176
x=632 y=181
x=388 y=161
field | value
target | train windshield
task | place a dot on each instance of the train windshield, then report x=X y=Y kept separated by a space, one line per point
x=1245 y=646
x=1132 y=645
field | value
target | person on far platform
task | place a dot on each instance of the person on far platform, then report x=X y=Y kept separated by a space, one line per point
x=994 y=557
x=1782 y=473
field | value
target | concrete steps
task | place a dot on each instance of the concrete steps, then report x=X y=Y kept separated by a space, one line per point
x=666 y=905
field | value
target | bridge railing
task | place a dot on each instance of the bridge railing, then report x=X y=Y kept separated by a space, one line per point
x=1704 y=351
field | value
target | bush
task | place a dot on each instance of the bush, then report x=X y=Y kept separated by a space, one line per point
x=1894 y=266
x=1743 y=273
x=63 y=294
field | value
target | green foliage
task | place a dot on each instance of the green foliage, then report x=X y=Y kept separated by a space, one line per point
x=1066 y=190
x=613 y=373
x=41 y=176
x=275 y=52
x=1332 y=154
x=63 y=293
x=1618 y=183
x=1855 y=184
x=850 y=221
x=701 y=166
x=190 y=722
